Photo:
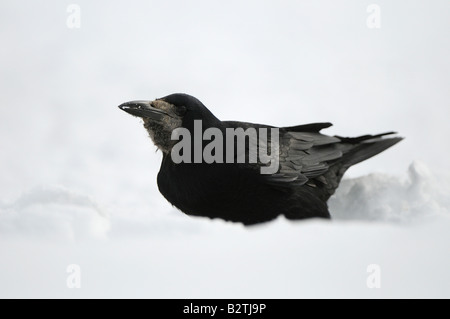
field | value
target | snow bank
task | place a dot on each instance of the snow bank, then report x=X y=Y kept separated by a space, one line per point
x=399 y=224
x=54 y=213
x=406 y=199
x=57 y=213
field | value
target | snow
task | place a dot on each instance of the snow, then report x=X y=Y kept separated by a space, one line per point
x=173 y=256
x=78 y=176
x=397 y=199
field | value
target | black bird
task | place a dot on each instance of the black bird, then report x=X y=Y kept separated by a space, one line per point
x=311 y=165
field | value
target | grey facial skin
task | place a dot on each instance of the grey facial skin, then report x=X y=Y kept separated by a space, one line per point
x=160 y=119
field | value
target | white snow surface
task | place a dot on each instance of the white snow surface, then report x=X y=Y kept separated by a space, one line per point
x=78 y=176
x=399 y=223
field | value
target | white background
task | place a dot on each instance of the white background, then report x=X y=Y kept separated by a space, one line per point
x=78 y=176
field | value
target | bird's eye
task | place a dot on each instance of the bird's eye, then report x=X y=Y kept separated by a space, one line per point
x=180 y=110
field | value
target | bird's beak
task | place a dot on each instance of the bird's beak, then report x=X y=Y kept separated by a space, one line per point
x=143 y=109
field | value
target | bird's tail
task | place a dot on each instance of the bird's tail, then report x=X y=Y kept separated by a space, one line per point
x=354 y=150
x=364 y=147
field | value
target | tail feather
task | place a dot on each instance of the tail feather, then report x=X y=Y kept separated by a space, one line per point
x=366 y=147
x=359 y=139
x=355 y=150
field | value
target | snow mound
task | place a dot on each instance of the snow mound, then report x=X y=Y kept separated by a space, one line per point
x=405 y=199
x=54 y=212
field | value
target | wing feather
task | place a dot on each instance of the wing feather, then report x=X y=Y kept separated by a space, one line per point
x=304 y=155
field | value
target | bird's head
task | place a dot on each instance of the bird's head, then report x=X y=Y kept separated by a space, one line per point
x=166 y=114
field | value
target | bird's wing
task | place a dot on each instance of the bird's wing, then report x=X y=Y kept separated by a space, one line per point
x=318 y=159
x=303 y=152
x=308 y=157
x=303 y=156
